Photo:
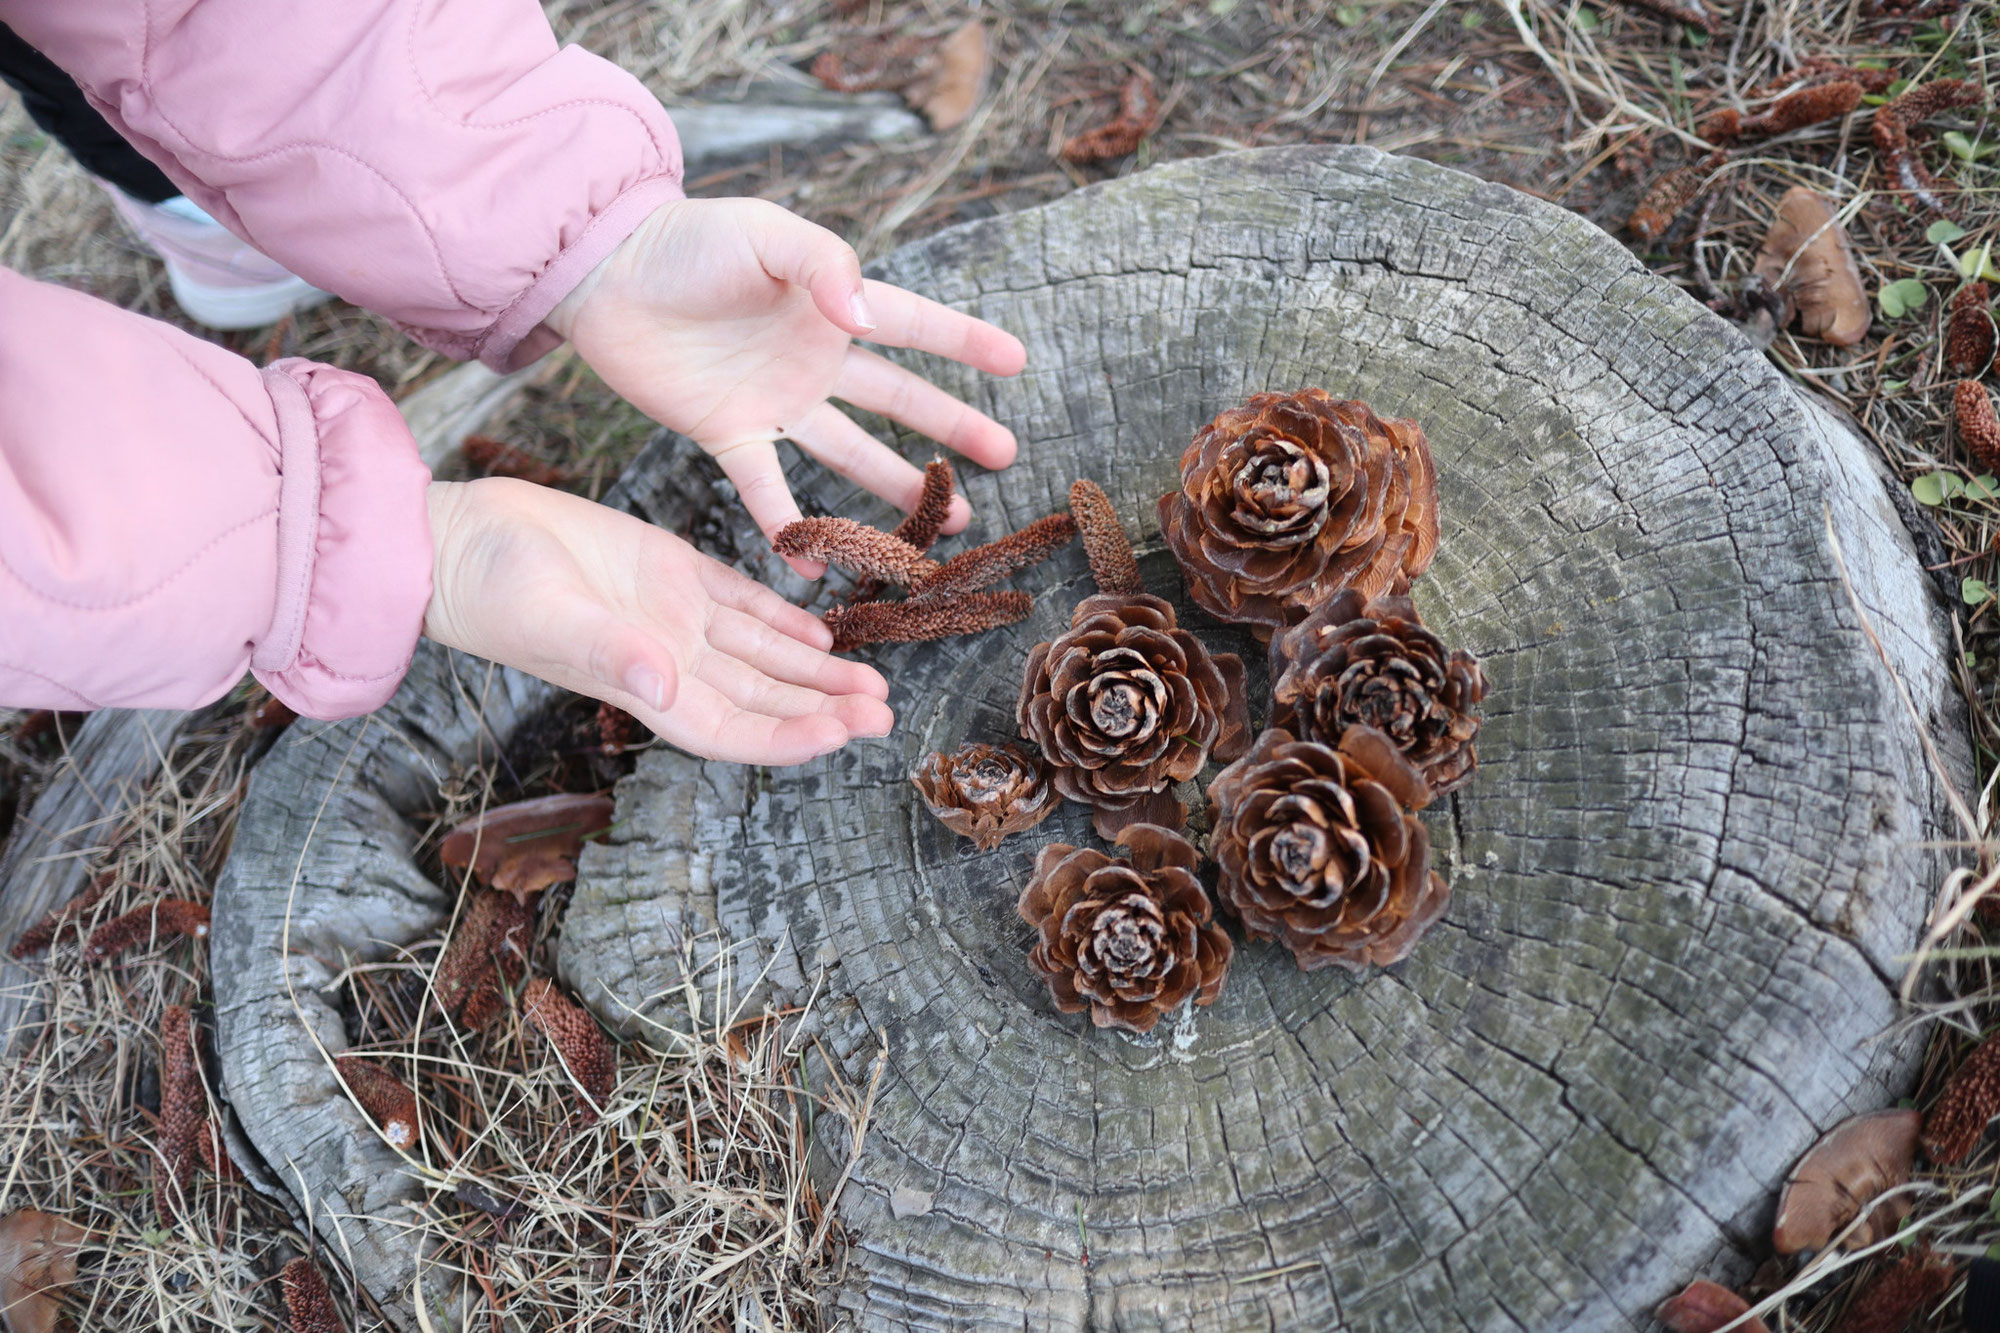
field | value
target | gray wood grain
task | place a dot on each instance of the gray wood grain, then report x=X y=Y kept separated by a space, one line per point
x=1680 y=882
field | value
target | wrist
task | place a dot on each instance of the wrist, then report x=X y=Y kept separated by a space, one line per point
x=444 y=501
x=563 y=317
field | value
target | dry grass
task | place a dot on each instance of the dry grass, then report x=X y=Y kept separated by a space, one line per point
x=690 y=1194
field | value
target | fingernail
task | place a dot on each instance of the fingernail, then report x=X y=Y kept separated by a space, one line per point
x=644 y=684
x=830 y=749
x=862 y=314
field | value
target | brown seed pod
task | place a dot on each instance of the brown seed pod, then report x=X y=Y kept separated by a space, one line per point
x=1978 y=431
x=1968 y=332
x=1899 y=1292
x=489 y=949
x=1290 y=498
x=43 y=933
x=589 y=1056
x=1373 y=664
x=1112 y=563
x=1970 y=1100
x=1671 y=193
x=386 y=1098
x=924 y=618
x=1901 y=159
x=986 y=792
x=1318 y=849
x=183 y=1101
x=1128 y=940
x=854 y=547
x=1126 y=703
x=162 y=919
x=1793 y=111
x=1138 y=116
x=307 y=1300
x=984 y=566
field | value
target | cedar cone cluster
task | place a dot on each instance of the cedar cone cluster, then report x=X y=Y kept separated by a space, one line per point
x=1300 y=514
x=1319 y=850
x=1293 y=497
x=986 y=792
x=1361 y=663
x=1127 y=703
x=1127 y=939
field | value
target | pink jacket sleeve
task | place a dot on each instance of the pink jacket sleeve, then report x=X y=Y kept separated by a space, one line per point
x=170 y=515
x=441 y=162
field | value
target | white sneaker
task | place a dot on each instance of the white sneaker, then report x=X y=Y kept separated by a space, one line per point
x=218 y=280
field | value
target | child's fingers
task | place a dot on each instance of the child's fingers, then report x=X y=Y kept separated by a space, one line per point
x=784 y=658
x=829 y=436
x=791 y=248
x=707 y=723
x=880 y=385
x=737 y=591
x=904 y=319
x=754 y=692
x=760 y=483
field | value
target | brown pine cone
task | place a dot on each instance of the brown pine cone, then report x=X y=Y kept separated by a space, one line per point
x=1125 y=704
x=1290 y=498
x=1318 y=848
x=1373 y=664
x=985 y=792
x=1128 y=940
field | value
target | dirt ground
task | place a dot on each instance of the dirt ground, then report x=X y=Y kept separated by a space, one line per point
x=1584 y=104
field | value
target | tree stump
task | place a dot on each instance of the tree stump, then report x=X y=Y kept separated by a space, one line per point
x=1681 y=881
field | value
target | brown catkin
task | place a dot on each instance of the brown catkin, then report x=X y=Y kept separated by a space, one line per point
x=921 y=526
x=1968 y=331
x=590 y=1057
x=1978 y=431
x=1138 y=116
x=855 y=547
x=490 y=945
x=307 y=1300
x=43 y=933
x=984 y=566
x=1793 y=111
x=1898 y=1292
x=163 y=919
x=1955 y=1125
x=386 y=1098
x=1669 y=195
x=183 y=1103
x=1112 y=563
x=925 y=618
x=1891 y=132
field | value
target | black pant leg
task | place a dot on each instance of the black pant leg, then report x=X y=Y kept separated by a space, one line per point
x=56 y=104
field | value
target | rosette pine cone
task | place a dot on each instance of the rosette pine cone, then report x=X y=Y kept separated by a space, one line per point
x=1127 y=703
x=985 y=792
x=1128 y=940
x=1318 y=848
x=1292 y=497
x=1360 y=663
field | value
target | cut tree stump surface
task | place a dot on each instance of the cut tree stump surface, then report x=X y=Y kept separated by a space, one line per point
x=1681 y=881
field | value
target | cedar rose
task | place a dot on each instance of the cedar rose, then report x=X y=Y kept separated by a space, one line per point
x=985 y=792
x=1290 y=498
x=1318 y=848
x=1129 y=940
x=1373 y=664
x=1127 y=703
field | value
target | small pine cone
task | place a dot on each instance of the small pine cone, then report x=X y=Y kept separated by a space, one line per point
x=1112 y=563
x=183 y=1102
x=590 y=1057
x=984 y=566
x=855 y=547
x=1978 y=431
x=924 y=618
x=163 y=919
x=1968 y=332
x=1898 y=1293
x=386 y=1098
x=986 y=792
x=43 y=933
x=307 y=1300
x=1971 y=1099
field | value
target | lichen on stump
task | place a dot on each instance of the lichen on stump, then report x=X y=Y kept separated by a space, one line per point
x=1679 y=887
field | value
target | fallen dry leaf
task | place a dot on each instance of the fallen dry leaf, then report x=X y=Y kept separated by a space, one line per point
x=1853 y=1163
x=944 y=79
x=1806 y=254
x=37 y=1260
x=1704 y=1307
x=956 y=79
x=529 y=845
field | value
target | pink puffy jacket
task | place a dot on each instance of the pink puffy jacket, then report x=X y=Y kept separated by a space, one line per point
x=169 y=514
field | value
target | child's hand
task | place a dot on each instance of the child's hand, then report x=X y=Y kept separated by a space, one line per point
x=729 y=320
x=599 y=602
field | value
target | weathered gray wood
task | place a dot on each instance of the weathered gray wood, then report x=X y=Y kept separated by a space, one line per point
x=1681 y=881
x=745 y=124
x=46 y=860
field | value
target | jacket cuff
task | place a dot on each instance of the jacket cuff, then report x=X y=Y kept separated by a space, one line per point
x=518 y=336
x=354 y=544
